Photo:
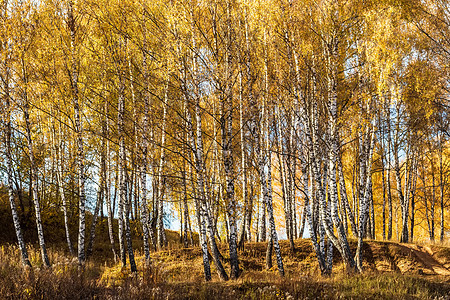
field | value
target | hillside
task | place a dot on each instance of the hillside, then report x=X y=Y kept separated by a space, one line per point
x=393 y=270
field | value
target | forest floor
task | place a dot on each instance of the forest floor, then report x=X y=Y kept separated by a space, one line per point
x=392 y=271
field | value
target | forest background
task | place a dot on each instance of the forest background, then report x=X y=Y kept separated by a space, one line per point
x=236 y=120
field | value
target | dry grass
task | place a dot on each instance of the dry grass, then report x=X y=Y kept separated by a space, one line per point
x=177 y=274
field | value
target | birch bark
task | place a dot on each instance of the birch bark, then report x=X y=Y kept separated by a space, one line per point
x=265 y=173
x=79 y=133
x=145 y=218
x=441 y=180
x=124 y=201
x=227 y=150
x=162 y=240
x=108 y=184
x=9 y=171
x=60 y=158
x=34 y=175
x=364 y=203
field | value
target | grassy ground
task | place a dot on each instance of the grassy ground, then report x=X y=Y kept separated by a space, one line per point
x=393 y=271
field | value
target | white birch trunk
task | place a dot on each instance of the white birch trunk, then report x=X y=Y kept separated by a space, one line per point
x=59 y=178
x=162 y=240
x=108 y=185
x=34 y=178
x=364 y=204
x=9 y=171
x=79 y=133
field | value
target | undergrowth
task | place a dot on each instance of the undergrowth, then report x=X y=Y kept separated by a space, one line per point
x=177 y=274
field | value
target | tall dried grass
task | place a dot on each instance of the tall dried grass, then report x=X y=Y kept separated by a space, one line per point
x=177 y=274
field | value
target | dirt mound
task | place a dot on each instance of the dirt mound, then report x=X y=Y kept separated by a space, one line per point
x=409 y=258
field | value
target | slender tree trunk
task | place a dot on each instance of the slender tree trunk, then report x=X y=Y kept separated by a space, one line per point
x=59 y=177
x=191 y=141
x=201 y=191
x=129 y=181
x=227 y=151
x=388 y=176
x=202 y=215
x=203 y=239
x=291 y=168
x=185 y=209
x=269 y=253
x=145 y=216
x=79 y=133
x=128 y=229
x=122 y=187
x=401 y=196
x=245 y=232
x=344 y=199
x=310 y=216
x=309 y=120
x=265 y=174
x=9 y=171
x=262 y=228
x=283 y=182
x=200 y=166
x=98 y=206
x=363 y=208
x=293 y=198
x=372 y=211
x=433 y=200
x=303 y=219
x=273 y=232
x=124 y=201
x=195 y=142
x=409 y=171
x=108 y=185
x=383 y=175
x=341 y=240
x=162 y=239
x=35 y=178
x=413 y=196
x=441 y=184
x=227 y=135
